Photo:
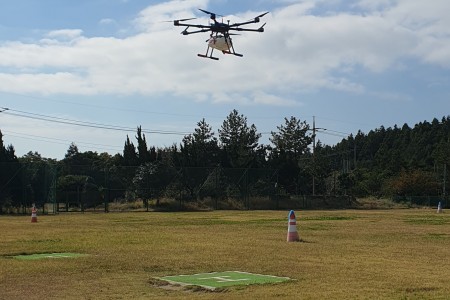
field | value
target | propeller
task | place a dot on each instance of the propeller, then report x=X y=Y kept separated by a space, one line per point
x=258 y=18
x=262 y=15
x=261 y=29
x=177 y=22
x=184 y=20
x=213 y=15
x=185 y=32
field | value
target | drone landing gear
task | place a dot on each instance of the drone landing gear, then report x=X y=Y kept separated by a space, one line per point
x=231 y=48
x=232 y=53
x=206 y=56
x=210 y=54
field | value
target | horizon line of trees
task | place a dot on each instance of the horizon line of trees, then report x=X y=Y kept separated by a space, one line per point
x=406 y=161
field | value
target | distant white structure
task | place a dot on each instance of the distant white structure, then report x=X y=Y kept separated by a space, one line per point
x=439 y=210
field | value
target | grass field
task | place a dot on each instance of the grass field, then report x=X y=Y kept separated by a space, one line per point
x=345 y=254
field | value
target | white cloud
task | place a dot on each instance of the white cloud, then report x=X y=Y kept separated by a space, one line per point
x=393 y=96
x=298 y=52
x=107 y=21
x=262 y=98
x=65 y=33
x=376 y=5
x=151 y=18
x=428 y=23
x=432 y=24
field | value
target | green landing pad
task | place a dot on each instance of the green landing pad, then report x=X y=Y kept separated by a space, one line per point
x=223 y=279
x=48 y=256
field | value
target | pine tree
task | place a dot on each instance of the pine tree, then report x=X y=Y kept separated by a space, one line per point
x=142 y=150
x=200 y=149
x=290 y=144
x=239 y=141
x=130 y=157
x=292 y=139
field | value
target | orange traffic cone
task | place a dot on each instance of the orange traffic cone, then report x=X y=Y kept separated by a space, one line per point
x=34 y=215
x=292 y=235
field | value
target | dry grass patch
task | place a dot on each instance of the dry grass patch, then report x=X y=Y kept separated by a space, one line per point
x=348 y=254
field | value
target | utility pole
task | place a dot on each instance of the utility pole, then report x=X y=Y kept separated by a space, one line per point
x=445 y=179
x=314 y=130
x=314 y=157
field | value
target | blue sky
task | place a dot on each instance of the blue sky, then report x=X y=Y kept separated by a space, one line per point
x=354 y=65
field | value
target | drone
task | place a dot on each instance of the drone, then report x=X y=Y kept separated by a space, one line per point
x=220 y=38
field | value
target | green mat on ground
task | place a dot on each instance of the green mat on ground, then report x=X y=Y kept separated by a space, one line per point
x=223 y=279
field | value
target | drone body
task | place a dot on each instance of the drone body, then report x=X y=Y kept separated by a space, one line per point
x=220 y=43
x=220 y=37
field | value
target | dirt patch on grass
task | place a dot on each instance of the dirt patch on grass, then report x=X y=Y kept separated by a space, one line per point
x=421 y=290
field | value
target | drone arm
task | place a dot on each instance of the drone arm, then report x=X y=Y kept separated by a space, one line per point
x=177 y=23
x=185 y=32
x=260 y=29
x=244 y=23
x=255 y=20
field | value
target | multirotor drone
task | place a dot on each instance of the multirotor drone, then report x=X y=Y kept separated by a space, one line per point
x=220 y=37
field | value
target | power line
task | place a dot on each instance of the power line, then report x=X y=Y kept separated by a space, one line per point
x=59 y=141
x=73 y=122
x=332 y=133
x=41 y=117
x=124 y=109
x=140 y=110
x=101 y=106
x=53 y=119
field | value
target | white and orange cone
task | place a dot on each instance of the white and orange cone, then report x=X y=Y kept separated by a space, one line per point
x=292 y=235
x=34 y=215
x=439 y=210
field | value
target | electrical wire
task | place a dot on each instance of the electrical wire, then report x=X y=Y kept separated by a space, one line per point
x=108 y=107
x=59 y=141
x=53 y=119
x=66 y=121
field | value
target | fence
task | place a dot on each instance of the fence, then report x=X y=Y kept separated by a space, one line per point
x=425 y=201
x=58 y=188
x=55 y=187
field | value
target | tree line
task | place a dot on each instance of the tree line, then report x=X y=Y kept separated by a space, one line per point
x=232 y=163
